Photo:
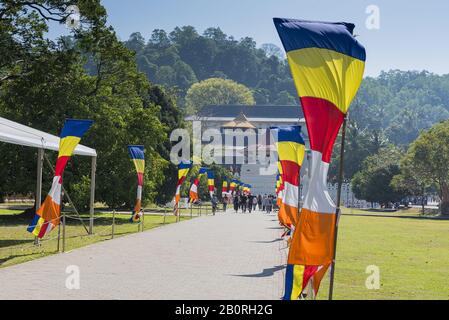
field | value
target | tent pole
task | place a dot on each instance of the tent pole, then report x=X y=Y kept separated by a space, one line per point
x=38 y=196
x=40 y=162
x=92 y=194
x=338 y=212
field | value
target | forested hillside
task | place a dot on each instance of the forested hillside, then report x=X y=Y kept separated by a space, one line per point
x=393 y=107
x=182 y=57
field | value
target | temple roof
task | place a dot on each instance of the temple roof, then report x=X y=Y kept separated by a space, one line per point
x=241 y=122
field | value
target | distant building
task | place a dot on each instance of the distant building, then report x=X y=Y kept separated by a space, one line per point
x=256 y=118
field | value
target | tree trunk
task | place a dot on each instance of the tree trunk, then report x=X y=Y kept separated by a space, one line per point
x=445 y=199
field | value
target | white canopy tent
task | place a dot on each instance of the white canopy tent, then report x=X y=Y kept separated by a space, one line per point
x=18 y=134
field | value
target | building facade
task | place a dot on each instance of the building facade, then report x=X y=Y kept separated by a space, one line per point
x=259 y=172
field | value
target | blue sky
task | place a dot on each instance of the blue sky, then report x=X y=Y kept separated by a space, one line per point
x=412 y=36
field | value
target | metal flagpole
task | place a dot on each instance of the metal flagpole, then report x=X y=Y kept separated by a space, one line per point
x=338 y=212
x=63 y=231
x=92 y=195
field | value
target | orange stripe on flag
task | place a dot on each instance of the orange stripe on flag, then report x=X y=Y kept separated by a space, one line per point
x=313 y=239
x=288 y=214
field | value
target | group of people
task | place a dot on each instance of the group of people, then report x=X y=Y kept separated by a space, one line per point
x=249 y=203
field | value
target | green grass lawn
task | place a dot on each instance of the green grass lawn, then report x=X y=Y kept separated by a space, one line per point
x=411 y=252
x=17 y=245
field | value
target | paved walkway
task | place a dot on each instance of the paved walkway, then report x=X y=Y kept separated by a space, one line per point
x=226 y=257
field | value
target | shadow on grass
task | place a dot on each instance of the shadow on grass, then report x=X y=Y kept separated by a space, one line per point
x=6 y=259
x=398 y=217
x=265 y=273
x=11 y=243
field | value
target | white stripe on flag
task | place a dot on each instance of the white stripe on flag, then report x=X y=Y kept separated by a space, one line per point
x=290 y=196
x=317 y=198
x=55 y=191
x=139 y=192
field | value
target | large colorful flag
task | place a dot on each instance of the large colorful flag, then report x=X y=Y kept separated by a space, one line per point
x=291 y=151
x=194 y=193
x=327 y=65
x=137 y=155
x=233 y=186
x=211 y=182
x=247 y=188
x=224 y=189
x=48 y=215
x=183 y=170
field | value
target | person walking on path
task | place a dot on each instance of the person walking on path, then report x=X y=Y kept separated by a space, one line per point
x=269 y=204
x=249 y=203
x=225 y=203
x=243 y=200
x=214 y=201
x=264 y=203
x=255 y=201
x=259 y=202
x=236 y=203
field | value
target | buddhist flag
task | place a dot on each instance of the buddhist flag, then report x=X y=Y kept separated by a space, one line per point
x=48 y=215
x=137 y=155
x=194 y=193
x=280 y=192
x=291 y=151
x=233 y=186
x=327 y=65
x=211 y=182
x=224 y=189
x=183 y=170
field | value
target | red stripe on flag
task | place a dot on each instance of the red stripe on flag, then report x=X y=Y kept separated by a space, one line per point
x=181 y=181
x=60 y=166
x=140 y=179
x=324 y=121
x=290 y=172
x=43 y=230
x=309 y=272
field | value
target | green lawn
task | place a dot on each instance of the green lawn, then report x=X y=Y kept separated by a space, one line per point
x=17 y=245
x=411 y=252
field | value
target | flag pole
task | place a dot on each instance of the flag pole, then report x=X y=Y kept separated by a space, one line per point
x=338 y=212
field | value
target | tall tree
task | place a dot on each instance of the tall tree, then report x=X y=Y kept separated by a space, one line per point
x=373 y=182
x=427 y=162
x=216 y=91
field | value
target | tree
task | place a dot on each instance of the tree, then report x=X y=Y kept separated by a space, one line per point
x=285 y=99
x=92 y=76
x=427 y=162
x=271 y=49
x=373 y=182
x=216 y=91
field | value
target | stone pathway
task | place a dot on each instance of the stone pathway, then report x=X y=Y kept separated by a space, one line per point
x=225 y=257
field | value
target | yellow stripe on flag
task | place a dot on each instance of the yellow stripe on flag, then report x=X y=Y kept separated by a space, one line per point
x=140 y=165
x=291 y=151
x=183 y=173
x=67 y=146
x=326 y=74
x=298 y=276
